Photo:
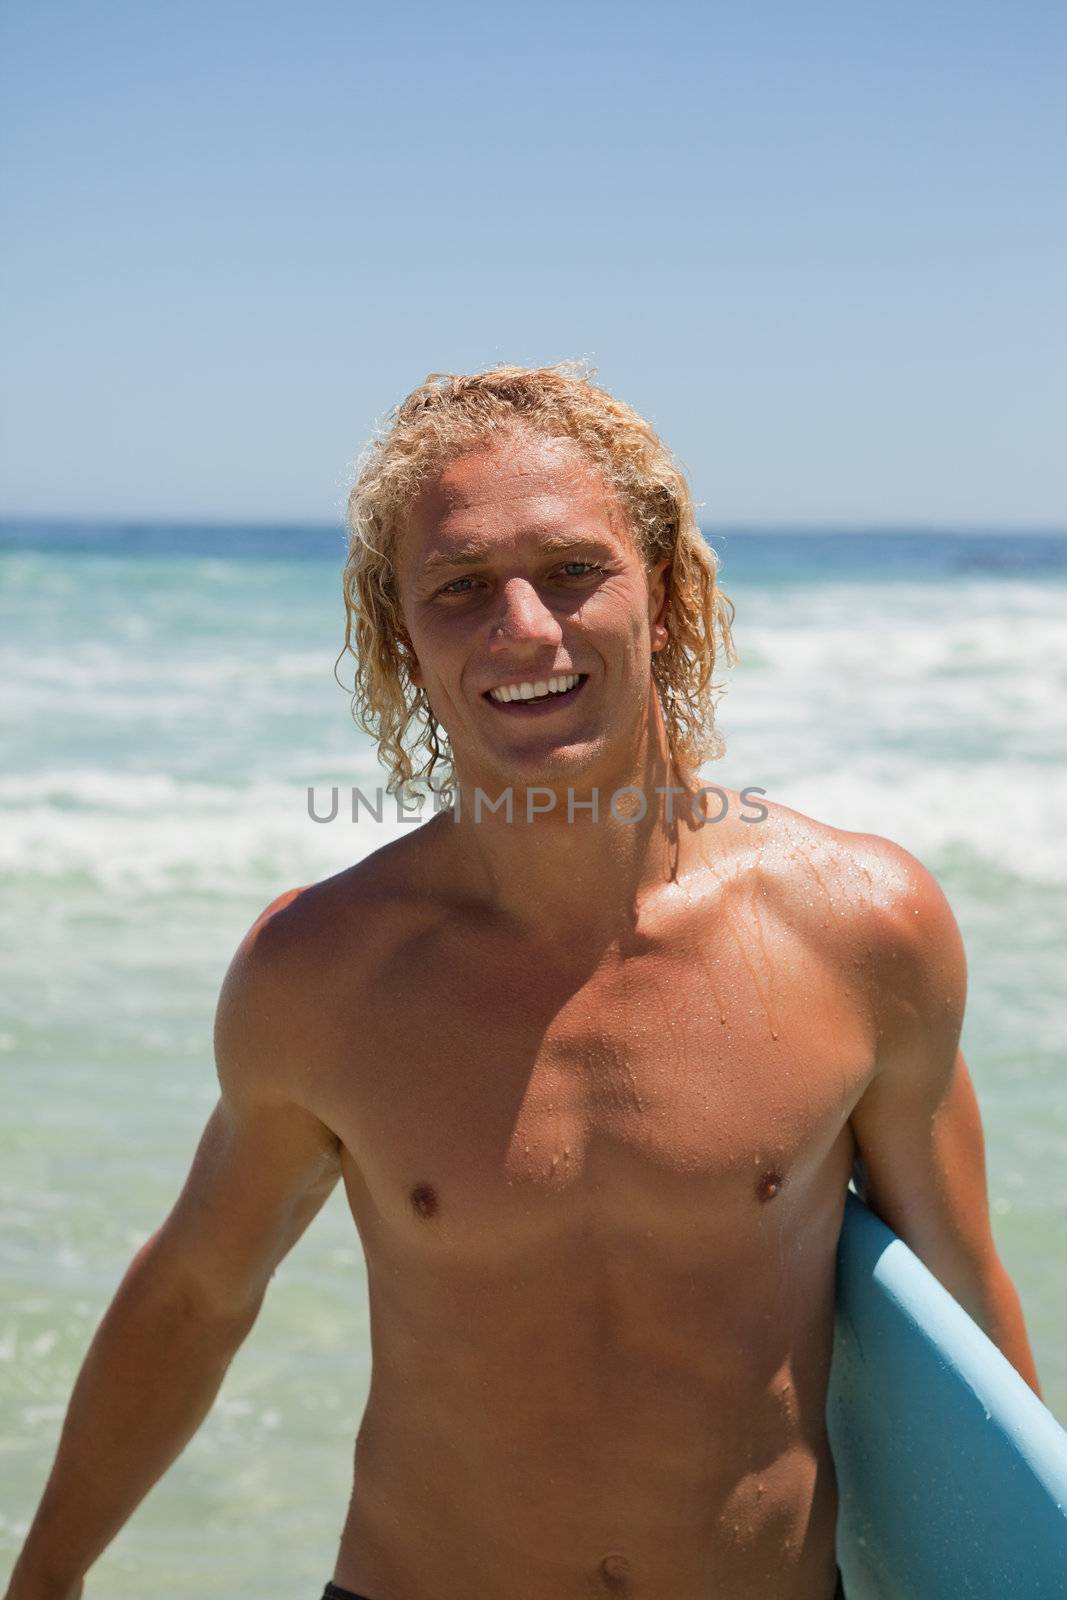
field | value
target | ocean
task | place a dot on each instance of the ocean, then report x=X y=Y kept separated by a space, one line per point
x=168 y=698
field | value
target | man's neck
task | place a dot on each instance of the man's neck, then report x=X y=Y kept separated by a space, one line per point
x=562 y=872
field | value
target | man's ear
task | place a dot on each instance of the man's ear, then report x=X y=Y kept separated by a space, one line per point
x=659 y=599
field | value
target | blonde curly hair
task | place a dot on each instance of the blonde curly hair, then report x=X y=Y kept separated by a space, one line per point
x=451 y=413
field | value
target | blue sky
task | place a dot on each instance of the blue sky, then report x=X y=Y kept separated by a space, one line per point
x=822 y=247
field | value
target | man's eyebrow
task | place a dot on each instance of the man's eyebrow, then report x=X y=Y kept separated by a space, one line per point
x=476 y=555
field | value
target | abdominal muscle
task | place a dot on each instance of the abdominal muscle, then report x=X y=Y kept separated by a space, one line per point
x=590 y=1427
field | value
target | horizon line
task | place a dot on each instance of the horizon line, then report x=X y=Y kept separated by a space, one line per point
x=726 y=526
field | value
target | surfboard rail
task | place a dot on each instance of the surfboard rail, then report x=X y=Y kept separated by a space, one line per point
x=952 y=1475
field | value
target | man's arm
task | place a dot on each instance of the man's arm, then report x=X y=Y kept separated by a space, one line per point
x=918 y=1124
x=262 y=1169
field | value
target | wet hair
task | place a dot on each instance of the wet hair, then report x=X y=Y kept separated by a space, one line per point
x=450 y=414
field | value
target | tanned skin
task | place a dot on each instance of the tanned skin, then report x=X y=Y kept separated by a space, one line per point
x=594 y=1090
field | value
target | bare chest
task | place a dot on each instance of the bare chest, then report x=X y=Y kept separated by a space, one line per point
x=672 y=1095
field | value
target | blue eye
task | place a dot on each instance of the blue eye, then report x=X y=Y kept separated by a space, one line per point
x=575 y=570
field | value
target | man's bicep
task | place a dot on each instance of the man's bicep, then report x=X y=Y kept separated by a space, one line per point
x=255 y=1183
x=925 y=1175
x=918 y=1125
x=264 y=1164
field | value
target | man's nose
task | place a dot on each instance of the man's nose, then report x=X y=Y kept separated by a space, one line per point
x=523 y=617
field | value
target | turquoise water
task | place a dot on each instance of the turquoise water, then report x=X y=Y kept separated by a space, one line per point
x=168 y=699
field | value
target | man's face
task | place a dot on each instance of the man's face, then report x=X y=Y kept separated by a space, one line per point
x=518 y=574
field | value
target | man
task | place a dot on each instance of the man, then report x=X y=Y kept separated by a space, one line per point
x=594 y=1053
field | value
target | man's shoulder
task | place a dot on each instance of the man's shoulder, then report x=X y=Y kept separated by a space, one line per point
x=865 y=886
x=348 y=921
x=313 y=957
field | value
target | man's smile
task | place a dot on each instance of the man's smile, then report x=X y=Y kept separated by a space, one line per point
x=529 y=695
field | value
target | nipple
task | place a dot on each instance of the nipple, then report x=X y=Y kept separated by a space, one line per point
x=424 y=1199
x=769 y=1185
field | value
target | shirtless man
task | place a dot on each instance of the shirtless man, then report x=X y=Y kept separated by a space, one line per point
x=595 y=1086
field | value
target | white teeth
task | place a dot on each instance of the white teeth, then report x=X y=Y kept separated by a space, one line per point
x=534 y=691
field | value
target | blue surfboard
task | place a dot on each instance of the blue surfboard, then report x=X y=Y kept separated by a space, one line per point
x=952 y=1474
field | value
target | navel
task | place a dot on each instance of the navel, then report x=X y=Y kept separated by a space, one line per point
x=614 y=1573
x=424 y=1200
x=769 y=1185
